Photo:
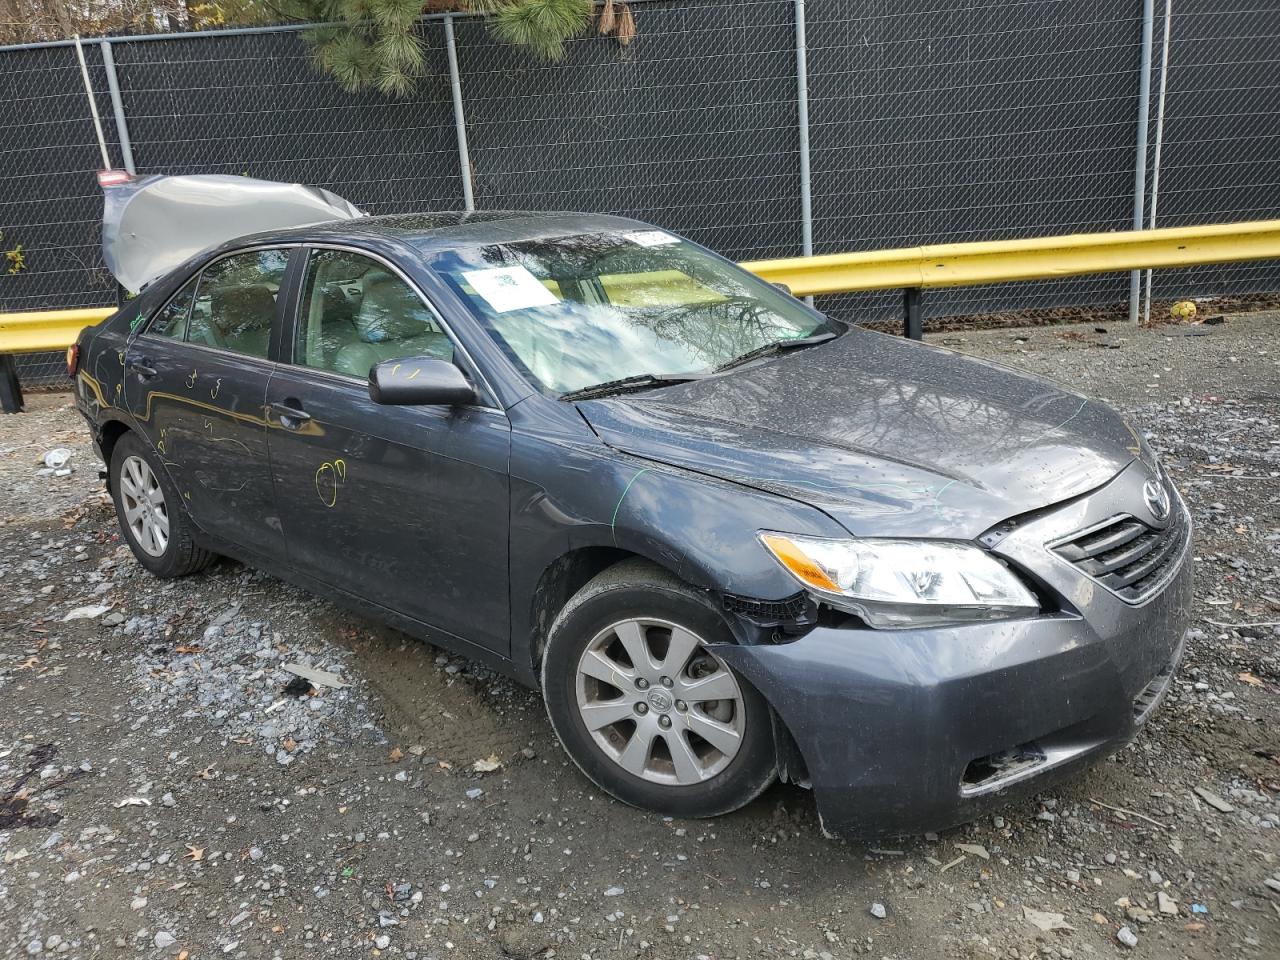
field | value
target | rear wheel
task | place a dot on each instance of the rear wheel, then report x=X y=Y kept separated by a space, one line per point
x=151 y=514
x=644 y=706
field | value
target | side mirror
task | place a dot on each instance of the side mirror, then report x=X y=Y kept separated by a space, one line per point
x=419 y=382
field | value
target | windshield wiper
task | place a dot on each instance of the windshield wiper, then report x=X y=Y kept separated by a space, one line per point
x=641 y=381
x=777 y=346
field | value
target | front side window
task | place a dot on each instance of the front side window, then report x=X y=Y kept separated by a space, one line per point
x=235 y=302
x=355 y=313
x=171 y=322
x=589 y=309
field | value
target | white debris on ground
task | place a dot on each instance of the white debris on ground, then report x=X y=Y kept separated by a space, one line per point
x=232 y=673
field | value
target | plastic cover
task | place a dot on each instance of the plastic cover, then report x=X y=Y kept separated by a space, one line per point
x=152 y=224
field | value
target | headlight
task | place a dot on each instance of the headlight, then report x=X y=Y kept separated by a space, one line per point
x=904 y=583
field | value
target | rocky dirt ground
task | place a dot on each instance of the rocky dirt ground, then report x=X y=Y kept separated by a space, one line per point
x=167 y=788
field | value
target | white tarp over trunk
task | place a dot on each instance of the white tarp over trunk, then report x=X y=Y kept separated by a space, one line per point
x=152 y=224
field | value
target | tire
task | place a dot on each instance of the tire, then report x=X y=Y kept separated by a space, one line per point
x=134 y=468
x=637 y=602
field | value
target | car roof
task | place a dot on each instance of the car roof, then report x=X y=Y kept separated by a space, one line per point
x=430 y=232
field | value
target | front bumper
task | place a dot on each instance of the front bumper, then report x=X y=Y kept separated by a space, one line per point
x=911 y=730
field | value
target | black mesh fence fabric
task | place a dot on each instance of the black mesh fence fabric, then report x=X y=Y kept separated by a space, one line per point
x=933 y=123
x=1220 y=157
x=692 y=127
x=929 y=122
x=50 y=204
x=255 y=105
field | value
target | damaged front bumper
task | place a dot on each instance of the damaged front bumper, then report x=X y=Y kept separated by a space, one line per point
x=906 y=731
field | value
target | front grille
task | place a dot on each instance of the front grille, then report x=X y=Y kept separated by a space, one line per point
x=769 y=613
x=1126 y=555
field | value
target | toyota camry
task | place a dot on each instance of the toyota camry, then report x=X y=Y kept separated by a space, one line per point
x=730 y=539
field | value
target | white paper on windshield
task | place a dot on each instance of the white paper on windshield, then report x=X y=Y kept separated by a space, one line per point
x=651 y=238
x=510 y=288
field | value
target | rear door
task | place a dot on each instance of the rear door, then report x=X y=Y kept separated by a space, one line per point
x=404 y=506
x=195 y=382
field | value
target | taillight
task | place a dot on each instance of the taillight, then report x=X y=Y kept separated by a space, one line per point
x=73 y=359
x=113 y=178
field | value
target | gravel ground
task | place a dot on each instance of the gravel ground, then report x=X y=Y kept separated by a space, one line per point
x=168 y=788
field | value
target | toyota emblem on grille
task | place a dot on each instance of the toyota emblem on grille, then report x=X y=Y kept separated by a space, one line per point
x=1157 y=498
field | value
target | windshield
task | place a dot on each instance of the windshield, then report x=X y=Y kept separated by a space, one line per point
x=594 y=308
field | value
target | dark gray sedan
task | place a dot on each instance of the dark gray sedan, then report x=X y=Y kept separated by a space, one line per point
x=729 y=538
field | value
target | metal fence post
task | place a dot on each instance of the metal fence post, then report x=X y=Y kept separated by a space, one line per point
x=802 y=114
x=93 y=103
x=802 y=121
x=913 y=313
x=10 y=387
x=1155 y=161
x=459 y=118
x=1140 y=154
x=117 y=105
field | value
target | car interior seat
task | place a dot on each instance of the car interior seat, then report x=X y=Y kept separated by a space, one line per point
x=241 y=318
x=392 y=322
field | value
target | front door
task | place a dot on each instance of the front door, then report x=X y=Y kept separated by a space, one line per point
x=195 y=382
x=404 y=506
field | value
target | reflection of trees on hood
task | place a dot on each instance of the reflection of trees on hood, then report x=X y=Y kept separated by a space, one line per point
x=880 y=398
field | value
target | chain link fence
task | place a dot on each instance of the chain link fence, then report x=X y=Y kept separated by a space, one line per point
x=926 y=123
x=983 y=121
x=1220 y=144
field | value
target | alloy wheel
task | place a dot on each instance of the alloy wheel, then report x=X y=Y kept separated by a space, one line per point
x=658 y=703
x=145 y=512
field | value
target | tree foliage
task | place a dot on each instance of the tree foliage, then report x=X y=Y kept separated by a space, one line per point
x=374 y=43
x=363 y=44
x=31 y=21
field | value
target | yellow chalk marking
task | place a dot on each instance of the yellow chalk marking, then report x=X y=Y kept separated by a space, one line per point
x=338 y=470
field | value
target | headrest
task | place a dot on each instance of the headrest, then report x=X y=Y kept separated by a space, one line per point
x=235 y=307
x=390 y=310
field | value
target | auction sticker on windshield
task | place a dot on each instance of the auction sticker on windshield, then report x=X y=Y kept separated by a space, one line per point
x=651 y=238
x=510 y=288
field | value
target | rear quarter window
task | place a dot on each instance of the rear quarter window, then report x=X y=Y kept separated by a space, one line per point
x=171 y=320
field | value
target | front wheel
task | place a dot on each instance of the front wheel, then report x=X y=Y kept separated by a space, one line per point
x=642 y=704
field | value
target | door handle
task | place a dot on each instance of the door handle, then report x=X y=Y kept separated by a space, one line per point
x=142 y=367
x=291 y=417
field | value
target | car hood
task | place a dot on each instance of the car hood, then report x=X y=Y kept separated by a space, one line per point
x=887 y=436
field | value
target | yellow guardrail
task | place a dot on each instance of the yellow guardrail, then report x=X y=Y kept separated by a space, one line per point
x=46 y=330
x=910 y=268
x=1036 y=258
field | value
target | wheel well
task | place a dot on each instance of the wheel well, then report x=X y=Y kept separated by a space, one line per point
x=108 y=436
x=565 y=576
x=571 y=572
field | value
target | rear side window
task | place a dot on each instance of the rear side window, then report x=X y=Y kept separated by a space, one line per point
x=235 y=302
x=171 y=322
x=354 y=312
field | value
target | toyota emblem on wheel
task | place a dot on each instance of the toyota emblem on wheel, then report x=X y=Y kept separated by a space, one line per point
x=1157 y=498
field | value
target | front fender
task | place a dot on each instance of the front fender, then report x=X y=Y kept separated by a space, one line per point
x=570 y=494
